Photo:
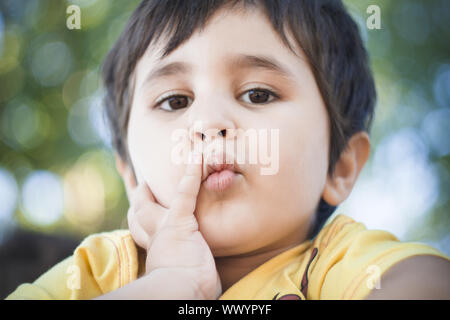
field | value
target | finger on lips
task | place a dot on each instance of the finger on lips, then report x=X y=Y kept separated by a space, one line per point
x=185 y=199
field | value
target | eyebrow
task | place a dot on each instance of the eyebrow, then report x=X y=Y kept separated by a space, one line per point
x=237 y=62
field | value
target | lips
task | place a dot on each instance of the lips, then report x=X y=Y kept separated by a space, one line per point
x=217 y=167
x=219 y=174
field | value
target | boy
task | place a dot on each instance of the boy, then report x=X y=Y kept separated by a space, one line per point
x=216 y=73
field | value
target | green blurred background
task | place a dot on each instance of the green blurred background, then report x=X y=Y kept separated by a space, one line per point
x=58 y=181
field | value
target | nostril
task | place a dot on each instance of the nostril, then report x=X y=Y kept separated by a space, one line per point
x=200 y=136
x=203 y=137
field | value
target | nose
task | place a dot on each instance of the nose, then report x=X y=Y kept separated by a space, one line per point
x=213 y=139
x=210 y=127
x=209 y=134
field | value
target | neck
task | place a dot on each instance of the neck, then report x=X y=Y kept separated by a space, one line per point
x=232 y=268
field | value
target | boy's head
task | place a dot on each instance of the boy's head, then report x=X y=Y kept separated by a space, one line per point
x=298 y=68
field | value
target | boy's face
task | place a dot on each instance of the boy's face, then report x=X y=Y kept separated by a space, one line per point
x=256 y=212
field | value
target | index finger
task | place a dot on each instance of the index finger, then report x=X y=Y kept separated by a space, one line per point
x=185 y=199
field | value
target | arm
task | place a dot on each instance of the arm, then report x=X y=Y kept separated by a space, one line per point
x=160 y=284
x=417 y=277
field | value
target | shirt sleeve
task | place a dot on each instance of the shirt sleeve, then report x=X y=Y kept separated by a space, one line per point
x=353 y=259
x=101 y=263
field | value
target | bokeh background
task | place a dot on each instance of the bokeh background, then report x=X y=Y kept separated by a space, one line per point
x=58 y=181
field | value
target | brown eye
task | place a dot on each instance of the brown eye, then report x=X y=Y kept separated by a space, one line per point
x=178 y=102
x=174 y=102
x=260 y=96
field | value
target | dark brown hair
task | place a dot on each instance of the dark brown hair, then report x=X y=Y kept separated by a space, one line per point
x=323 y=29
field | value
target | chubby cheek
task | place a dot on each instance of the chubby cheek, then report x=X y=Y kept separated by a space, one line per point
x=304 y=163
x=301 y=175
x=292 y=194
x=151 y=155
x=295 y=190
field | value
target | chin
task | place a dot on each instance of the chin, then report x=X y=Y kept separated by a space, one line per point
x=227 y=226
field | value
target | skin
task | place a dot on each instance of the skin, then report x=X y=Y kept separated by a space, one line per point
x=416 y=278
x=235 y=223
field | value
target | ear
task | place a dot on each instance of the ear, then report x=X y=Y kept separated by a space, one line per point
x=347 y=169
x=126 y=173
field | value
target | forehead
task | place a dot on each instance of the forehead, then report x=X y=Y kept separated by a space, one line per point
x=231 y=39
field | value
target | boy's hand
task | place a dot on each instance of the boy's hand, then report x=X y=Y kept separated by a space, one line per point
x=171 y=236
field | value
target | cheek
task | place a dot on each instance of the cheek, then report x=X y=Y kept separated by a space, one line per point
x=302 y=172
x=303 y=161
x=297 y=186
x=151 y=153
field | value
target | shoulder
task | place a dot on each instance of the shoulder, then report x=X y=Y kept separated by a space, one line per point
x=101 y=263
x=352 y=258
x=417 y=277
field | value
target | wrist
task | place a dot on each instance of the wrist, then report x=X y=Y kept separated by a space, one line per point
x=175 y=284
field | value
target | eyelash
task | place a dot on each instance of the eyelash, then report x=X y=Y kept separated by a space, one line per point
x=270 y=92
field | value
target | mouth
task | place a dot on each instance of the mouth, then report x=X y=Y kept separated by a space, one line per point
x=219 y=176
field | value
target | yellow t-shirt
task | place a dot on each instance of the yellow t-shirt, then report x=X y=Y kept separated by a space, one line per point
x=342 y=262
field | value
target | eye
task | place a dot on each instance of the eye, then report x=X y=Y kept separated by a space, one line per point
x=173 y=102
x=177 y=101
x=260 y=96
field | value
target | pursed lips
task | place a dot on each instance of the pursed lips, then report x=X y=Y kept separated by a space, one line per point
x=211 y=168
x=217 y=163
